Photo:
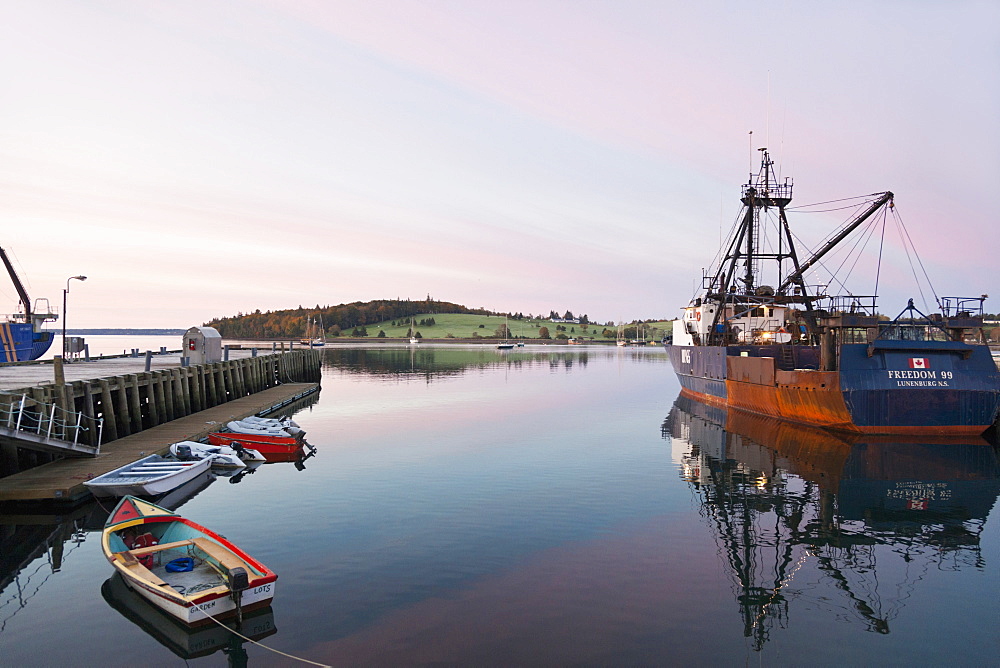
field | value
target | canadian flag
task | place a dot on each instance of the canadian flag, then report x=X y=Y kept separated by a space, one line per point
x=919 y=363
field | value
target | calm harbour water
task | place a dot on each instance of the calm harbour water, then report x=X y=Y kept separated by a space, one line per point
x=551 y=505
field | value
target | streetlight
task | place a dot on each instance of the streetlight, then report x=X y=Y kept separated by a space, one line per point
x=66 y=292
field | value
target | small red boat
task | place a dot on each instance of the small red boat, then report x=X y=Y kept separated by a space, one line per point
x=263 y=444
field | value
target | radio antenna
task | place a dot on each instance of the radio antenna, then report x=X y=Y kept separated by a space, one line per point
x=767 y=112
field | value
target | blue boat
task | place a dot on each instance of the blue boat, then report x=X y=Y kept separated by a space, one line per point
x=758 y=338
x=21 y=335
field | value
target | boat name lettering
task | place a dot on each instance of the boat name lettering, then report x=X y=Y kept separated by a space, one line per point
x=920 y=492
x=909 y=484
x=914 y=374
x=920 y=378
x=922 y=383
x=260 y=628
x=262 y=589
x=206 y=606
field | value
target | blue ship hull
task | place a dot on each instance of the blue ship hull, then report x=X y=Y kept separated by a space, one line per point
x=20 y=343
x=890 y=387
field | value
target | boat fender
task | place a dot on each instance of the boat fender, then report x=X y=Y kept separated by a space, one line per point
x=180 y=565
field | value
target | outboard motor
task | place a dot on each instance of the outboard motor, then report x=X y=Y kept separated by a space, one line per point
x=184 y=452
x=238 y=581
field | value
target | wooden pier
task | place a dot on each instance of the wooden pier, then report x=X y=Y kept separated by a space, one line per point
x=113 y=420
x=62 y=480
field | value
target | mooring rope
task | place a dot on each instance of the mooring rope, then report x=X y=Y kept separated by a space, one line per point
x=276 y=651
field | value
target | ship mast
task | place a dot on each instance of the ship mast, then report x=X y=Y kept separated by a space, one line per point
x=737 y=285
x=737 y=281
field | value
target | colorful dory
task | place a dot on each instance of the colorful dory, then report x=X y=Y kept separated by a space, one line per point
x=181 y=567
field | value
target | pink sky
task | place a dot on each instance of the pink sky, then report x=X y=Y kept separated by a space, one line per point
x=196 y=159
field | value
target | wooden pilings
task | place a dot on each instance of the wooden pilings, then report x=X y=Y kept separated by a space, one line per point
x=131 y=403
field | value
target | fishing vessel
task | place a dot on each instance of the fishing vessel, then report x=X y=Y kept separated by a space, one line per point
x=21 y=335
x=759 y=338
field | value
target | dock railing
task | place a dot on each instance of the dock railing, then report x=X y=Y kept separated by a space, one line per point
x=49 y=424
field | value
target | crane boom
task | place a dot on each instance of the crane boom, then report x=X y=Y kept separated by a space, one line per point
x=22 y=293
x=847 y=229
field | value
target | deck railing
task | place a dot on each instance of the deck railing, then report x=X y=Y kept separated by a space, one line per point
x=48 y=421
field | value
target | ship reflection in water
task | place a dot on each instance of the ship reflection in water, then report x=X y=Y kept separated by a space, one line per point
x=871 y=515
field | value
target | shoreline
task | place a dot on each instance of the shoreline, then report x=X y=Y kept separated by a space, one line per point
x=464 y=341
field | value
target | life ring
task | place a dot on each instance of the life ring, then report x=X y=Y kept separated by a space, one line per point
x=697 y=315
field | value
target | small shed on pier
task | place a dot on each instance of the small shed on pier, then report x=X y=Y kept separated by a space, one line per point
x=202 y=345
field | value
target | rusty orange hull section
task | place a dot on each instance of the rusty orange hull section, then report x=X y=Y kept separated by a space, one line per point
x=798 y=405
x=814 y=400
x=878 y=394
x=815 y=408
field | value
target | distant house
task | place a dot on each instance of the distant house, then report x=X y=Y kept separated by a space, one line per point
x=575 y=321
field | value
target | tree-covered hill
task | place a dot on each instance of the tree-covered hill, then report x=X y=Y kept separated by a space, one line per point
x=294 y=322
x=395 y=318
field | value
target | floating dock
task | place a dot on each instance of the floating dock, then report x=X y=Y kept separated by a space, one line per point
x=99 y=424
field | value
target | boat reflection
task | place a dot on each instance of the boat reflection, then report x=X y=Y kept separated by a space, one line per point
x=870 y=515
x=234 y=476
x=186 y=642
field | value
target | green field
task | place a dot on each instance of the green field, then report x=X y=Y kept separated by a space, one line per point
x=465 y=326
